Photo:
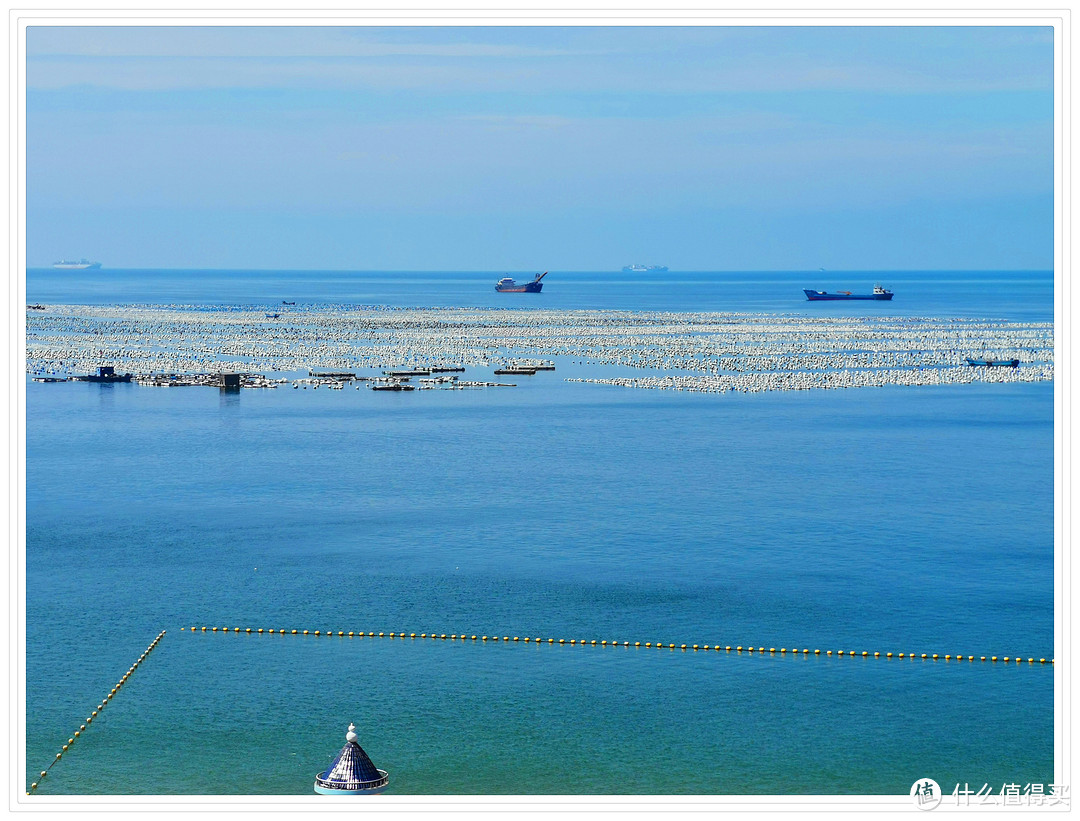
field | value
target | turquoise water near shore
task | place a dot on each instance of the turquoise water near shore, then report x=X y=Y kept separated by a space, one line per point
x=890 y=519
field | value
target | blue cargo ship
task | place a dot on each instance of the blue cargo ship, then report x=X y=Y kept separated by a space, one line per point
x=507 y=286
x=815 y=296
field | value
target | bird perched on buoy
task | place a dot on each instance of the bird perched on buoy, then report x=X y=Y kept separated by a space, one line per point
x=351 y=772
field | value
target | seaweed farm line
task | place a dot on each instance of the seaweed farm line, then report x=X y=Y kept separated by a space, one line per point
x=713 y=352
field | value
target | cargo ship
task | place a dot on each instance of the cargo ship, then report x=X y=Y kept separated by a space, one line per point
x=879 y=293
x=644 y=269
x=76 y=265
x=507 y=286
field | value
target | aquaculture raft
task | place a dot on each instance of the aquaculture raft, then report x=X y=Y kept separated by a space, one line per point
x=352 y=772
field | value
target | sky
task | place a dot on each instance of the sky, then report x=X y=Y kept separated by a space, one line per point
x=531 y=148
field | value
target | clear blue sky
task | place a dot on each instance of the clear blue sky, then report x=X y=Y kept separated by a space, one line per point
x=705 y=148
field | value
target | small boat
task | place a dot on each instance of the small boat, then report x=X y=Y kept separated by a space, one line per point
x=106 y=373
x=273 y=316
x=35 y=307
x=397 y=386
x=50 y=379
x=523 y=371
x=644 y=269
x=506 y=285
x=351 y=772
x=993 y=363
x=816 y=296
x=283 y=302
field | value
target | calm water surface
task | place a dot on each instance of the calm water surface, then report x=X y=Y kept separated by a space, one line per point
x=903 y=520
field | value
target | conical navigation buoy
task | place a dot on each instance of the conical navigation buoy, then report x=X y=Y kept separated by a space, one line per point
x=351 y=772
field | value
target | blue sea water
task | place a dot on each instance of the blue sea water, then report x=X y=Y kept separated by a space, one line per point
x=887 y=519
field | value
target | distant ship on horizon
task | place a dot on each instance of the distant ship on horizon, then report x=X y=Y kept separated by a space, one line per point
x=817 y=296
x=637 y=268
x=76 y=265
x=506 y=285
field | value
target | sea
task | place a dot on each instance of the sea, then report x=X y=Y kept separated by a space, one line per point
x=887 y=520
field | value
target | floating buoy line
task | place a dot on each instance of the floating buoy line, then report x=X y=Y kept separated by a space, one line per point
x=727 y=648
x=97 y=711
x=494 y=639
